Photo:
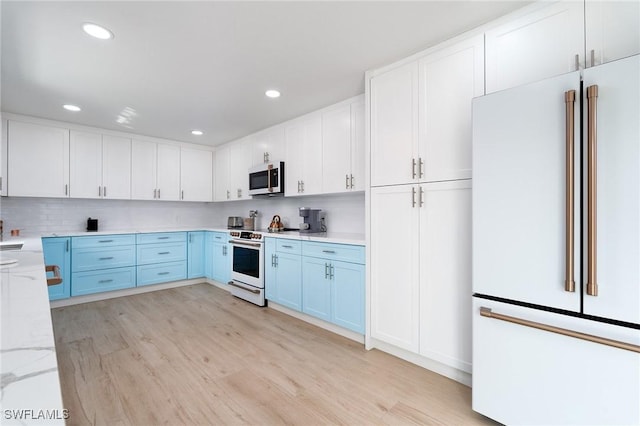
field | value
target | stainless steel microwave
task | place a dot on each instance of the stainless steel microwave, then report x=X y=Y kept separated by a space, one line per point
x=267 y=179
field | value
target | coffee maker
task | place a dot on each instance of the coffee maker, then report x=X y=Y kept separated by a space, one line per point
x=312 y=221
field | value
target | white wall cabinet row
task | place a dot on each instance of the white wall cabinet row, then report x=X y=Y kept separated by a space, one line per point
x=323 y=153
x=49 y=161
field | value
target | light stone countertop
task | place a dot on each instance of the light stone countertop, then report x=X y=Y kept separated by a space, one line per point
x=28 y=362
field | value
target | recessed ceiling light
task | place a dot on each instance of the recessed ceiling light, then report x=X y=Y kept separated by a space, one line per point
x=197 y=132
x=70 y=107
x=272 y=93
x=97 y=31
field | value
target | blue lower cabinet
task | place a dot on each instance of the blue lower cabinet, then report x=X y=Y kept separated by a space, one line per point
x=91 y=259
x=195 y=254
x=221 y=258
x=208 y=254
x=270 y=283
x=347 y=295
x=161 y=253
x=103 y=280
x=289 y=280
x=162 y=272
x=316 y=288
x=57 y=251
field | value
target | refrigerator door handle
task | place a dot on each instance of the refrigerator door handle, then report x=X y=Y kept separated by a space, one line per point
x=487 y=312
x=569 y=99
x=592 y=104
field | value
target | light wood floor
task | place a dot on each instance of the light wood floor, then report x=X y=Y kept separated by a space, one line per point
x=196 y=355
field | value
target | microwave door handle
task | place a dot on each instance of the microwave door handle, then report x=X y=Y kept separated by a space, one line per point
x=269 y=172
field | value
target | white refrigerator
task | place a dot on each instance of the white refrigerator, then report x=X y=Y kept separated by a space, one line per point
x=556 y=249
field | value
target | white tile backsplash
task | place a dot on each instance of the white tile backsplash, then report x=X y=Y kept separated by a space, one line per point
x=36 y=216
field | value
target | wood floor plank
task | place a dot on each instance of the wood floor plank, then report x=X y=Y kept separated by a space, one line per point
x=197 y=355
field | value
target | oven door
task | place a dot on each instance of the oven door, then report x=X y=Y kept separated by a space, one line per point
x=247 y=263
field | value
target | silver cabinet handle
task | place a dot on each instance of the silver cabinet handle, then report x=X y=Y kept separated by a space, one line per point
x=163 y=273
x=104 y=281
x=106 y=258
x=239 y=193
x=346 y=181
x=190 y=238
x=228 y=194
x=302 y=182
x=287 y=246
x=164 y=252
x=99 y=191
x=351 y=185
x=155 y=193
x=331 y=269
x=276 y=259
x=104 y=191
x=326 y=271
x=66 y=189
x=413 y=197
x=182 y=194
x=577 y=59
x=413 y=168
x=329 y=251
x=421 y=197
x=0 y=183
x=66 y=246
x=158 y=193
x=105 y=241
x=420 y=166
x=298 y=187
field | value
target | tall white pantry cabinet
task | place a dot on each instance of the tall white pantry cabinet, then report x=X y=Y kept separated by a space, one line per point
x=420 y=204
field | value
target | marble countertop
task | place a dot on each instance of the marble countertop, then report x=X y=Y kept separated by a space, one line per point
x=329 y=237
x=30 y=392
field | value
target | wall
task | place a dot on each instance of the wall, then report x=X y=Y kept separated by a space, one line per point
x=37 y=216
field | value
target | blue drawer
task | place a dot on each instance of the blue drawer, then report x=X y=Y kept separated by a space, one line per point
x=288 y=246
x=161 y=273
x=220 y=237
x=160 y=253
x=161 y=237
x=103 y=241
x=89 y=259
x=104 y=280
x=343 y=252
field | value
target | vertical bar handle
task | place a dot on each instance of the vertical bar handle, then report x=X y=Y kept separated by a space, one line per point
x=569 y=99
x=592 y=105
x=413 y=167
x=413 y=197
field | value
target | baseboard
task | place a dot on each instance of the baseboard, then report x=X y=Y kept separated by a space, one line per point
x=430 y=364
x=318 y=322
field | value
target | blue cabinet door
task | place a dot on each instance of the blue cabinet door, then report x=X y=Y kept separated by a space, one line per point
x=347 y=294
x=221 y=258
x=57 y=251
x=289 y=280
x=270 y=284
x=208 y=254
x=316 y=288
x=195 y=254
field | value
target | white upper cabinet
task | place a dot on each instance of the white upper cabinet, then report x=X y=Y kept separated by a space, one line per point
x=268 y=146
x=3 y=158
x=546 y=42
x=196 y=175
x=38 y=163
x=394 y=125
x=612 y=30
x=100 y=166
x=343 y=148
x=421 y=116
x=239 y=163
x=221 y=191
x=449 y=80
x=155 y=171
x=303 y=163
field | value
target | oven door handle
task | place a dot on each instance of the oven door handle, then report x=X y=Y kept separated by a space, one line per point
x=243 y=288
x=242 y=243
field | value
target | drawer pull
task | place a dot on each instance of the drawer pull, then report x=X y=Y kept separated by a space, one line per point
x=105 y=281
x=287 y=246
x=218 y=238
x=163 y=238
x=164 y=252
x=163 y=273
x=486 y=312
x=329 y=251
x=105 y=241
x=106 y=258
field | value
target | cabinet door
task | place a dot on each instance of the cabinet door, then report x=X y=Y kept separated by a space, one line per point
x=294 y=149
x=268 y=146
x=239 y=163
x=303 y=172
x=168 y=177
x=358 y=141
x=316 y=288
x=57 y=252
x=449 y=80
x=85 y=165
x=195 y=255
x=221 y=259
x=116 y=167
x=612 y=30
x=394 y=125
x=196 y=171
x=221 y=171
x=289 y=280
x=3 y=157
x=347 y=295
x=336 y=149
x=208 y=254
x=541 y=44
x=445 y=273
x=270 y=275
x=143 y=170
x=618 y=191
x=38 y=163
x=394 y=266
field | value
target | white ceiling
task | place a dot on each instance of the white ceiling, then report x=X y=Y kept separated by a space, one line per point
x=177 y=66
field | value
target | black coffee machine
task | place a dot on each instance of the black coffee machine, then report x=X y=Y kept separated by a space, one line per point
x=312 y=220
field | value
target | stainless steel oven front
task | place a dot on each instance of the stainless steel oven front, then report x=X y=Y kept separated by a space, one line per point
x=247 y=266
